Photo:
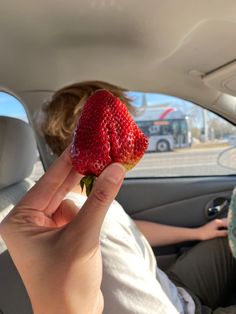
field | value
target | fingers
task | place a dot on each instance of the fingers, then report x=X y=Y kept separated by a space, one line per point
x=224 y=222
x=222 y=233
x=221 y=227
x=72 y=179
x=59 y=177
x=65 y=213
x=221 y=223
x=91 y=216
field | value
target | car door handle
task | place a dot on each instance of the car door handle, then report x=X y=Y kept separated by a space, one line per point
x=219 y=207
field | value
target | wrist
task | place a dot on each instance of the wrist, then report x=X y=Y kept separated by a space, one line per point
x=53 y=308
x=70 y=305
x=197 y=234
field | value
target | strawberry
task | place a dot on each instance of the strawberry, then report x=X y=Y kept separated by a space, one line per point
x=105 y=133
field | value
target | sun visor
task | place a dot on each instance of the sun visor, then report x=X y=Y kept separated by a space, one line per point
x=223 y=79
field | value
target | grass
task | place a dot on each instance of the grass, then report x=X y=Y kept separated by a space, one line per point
x=207 y=145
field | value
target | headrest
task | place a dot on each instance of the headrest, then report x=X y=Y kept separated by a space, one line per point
x=18 y=151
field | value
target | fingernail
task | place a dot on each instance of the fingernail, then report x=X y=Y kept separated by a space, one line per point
x=114 y=173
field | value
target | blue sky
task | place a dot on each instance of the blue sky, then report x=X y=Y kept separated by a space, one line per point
x=10 y=106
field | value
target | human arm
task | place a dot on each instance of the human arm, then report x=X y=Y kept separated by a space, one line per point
x=159 y=234
x=56 y=248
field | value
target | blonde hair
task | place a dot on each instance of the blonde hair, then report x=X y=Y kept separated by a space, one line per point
x=60 y=115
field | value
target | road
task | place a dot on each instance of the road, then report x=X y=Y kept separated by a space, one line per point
x=189 y=162
x=186 y=162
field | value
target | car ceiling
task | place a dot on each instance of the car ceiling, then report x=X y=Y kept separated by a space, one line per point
x=164 y=46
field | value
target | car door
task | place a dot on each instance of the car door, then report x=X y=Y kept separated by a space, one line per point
x=187 y=186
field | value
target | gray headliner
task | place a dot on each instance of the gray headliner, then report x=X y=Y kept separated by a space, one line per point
x=156 y=46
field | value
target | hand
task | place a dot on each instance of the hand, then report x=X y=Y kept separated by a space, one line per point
x=214 y=229
x=56 y=248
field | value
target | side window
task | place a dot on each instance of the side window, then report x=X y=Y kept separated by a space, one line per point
x=184 y=139
x=10 y=106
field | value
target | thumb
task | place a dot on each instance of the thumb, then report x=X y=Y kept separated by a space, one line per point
x=90 y=218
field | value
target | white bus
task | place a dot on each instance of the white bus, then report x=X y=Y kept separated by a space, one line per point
x=166 y=127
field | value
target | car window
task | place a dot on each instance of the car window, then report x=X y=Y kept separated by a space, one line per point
x=10 y=106
x=184 y=139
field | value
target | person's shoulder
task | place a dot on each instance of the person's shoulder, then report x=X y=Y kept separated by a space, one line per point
x=116 y=213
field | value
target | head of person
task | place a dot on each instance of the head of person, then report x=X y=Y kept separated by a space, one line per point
x=61 y=113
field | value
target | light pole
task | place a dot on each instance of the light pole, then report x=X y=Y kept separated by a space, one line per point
x=205 y=125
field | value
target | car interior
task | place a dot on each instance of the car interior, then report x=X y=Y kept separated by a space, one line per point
x=183 y=48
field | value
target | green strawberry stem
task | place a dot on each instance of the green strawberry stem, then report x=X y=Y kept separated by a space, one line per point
x=87 y=182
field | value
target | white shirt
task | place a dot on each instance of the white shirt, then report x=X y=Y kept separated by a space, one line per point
x=132 y=283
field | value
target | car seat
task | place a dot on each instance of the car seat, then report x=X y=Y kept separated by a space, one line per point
x=17 y=157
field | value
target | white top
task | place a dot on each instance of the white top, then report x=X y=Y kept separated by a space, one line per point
x=132 y=282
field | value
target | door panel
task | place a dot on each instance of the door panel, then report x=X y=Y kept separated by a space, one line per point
x=175 y=201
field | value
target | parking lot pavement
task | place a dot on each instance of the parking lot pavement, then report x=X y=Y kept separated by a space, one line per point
x=189 y=162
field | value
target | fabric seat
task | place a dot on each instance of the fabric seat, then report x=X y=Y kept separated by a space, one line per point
x=18 y=152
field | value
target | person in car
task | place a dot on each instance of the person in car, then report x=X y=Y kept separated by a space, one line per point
x=132 y=282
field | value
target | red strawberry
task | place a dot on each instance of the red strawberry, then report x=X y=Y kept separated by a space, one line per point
x=105 y=133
